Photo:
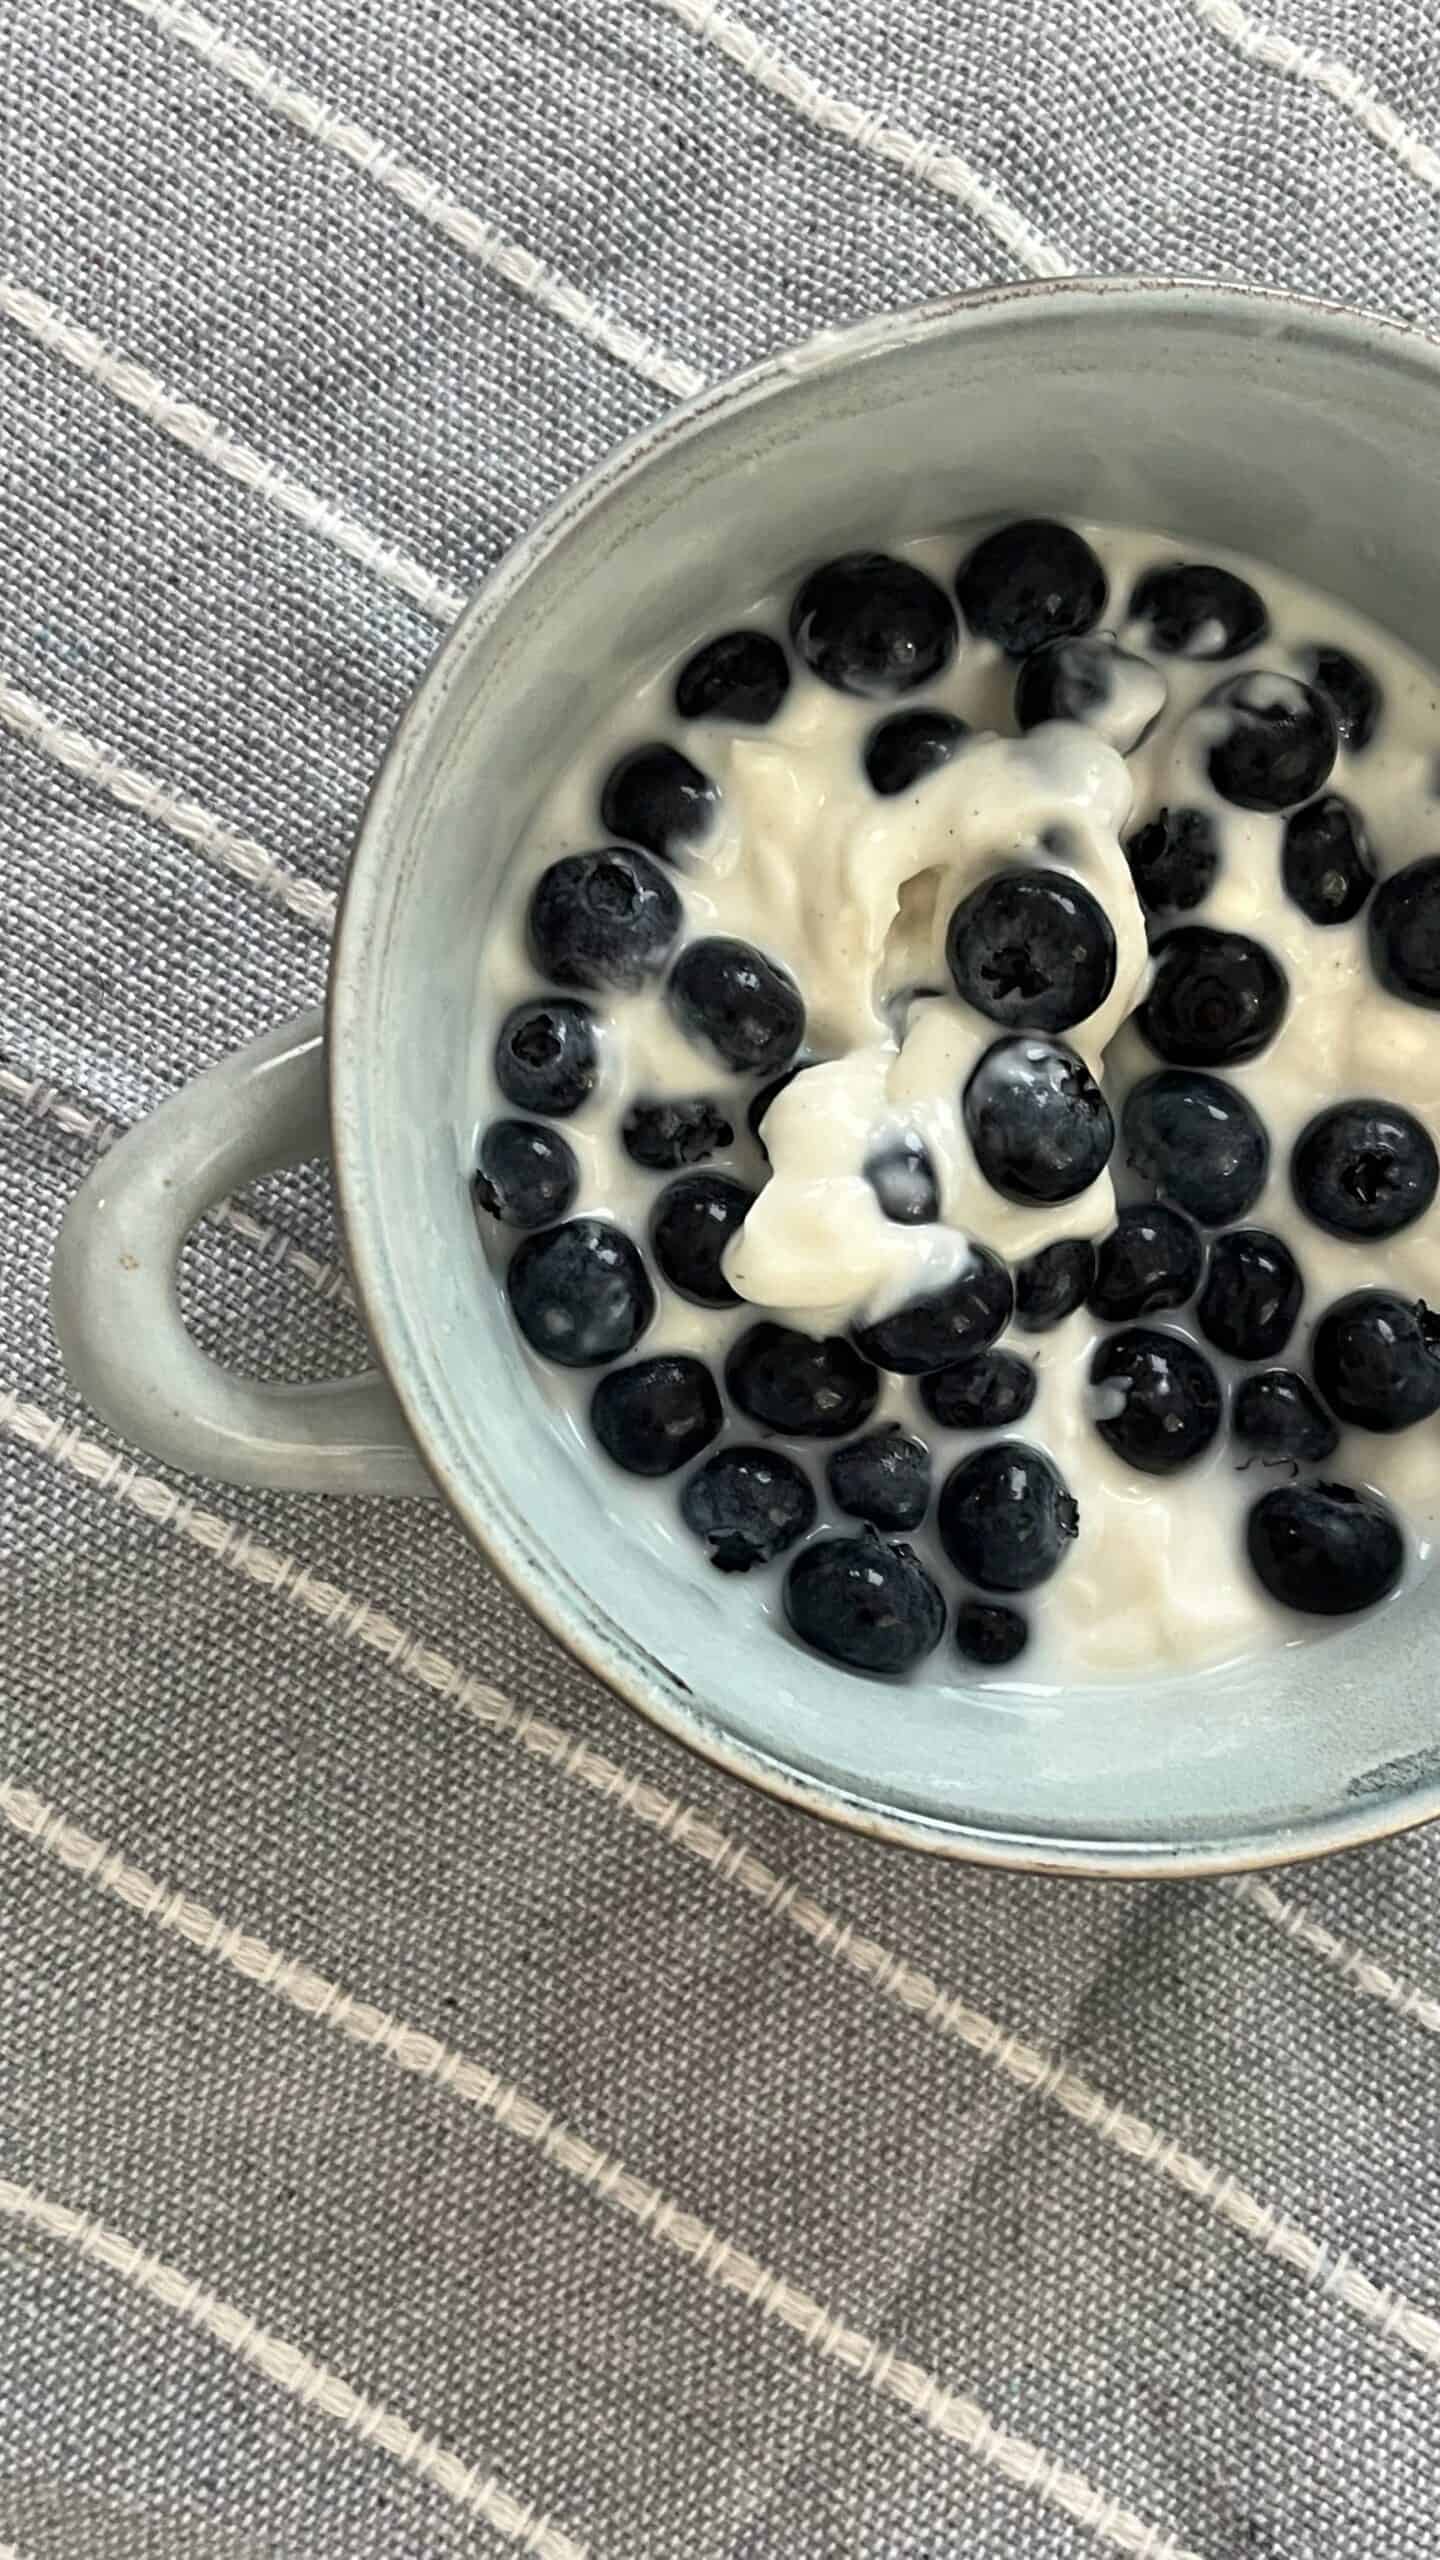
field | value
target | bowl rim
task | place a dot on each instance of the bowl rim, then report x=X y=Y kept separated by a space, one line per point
x=358 y=951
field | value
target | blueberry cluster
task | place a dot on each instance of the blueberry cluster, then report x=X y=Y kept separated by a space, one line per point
x=1033 y=952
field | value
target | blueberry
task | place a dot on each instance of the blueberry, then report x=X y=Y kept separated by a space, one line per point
x=862 y=1603
x=1030 y=582
x=657 y=1414
x=908 y=746
x=1037 y=1120
x=1032 y=950
x=791 y=1382
x=1173 y=859
x=884 y=1478
x=1006 y=1516
x=1405 y=932
x=526 y=1176
x=1350 y=690
x=1275 y=1415
x=990 y=1634
x=1252 y=1294
x=745 y=1007
x=987 y=1392
x=872 y=625
x=1151 y=1259
x=1051 y=1284
x=1325 y=1548
x=1326 y=862
x=547 y=1055
x=607 y=919
x=656 y=797
x=1215 y=998
x=1093 y=681
x=1376 y=1360
x=946 y=1324
x=741 y=675
x=1157 y=1400
x=902 y=1178
x=1197 y=1142
x=663 y=1136
x=580 y=1293
x=1191 y=609
x=692 y=1223
x=1364 y=1169
x=1278 y=743
x=747 y=1505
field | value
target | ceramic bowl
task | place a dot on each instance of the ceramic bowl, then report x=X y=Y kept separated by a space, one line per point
x=1303 y=435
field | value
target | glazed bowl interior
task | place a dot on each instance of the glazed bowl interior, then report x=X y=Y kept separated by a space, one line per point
x=1303 y=436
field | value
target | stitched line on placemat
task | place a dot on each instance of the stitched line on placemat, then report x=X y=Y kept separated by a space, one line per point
x=1361 y=1970
x=45 y=1102
x=421 y=194
x=952 y=2415
x=1272 y=51
x=288 y=2366
x=203 y=435
x=1026 y=2065
x=929 y=163
x=94 y=763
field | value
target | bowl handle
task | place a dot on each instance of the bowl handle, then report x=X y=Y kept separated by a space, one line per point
x=117 y=1317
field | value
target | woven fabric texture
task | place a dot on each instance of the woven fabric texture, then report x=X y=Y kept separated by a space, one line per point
x=436 y=2113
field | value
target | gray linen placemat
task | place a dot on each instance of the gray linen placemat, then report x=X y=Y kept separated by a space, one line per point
x=435 y=2112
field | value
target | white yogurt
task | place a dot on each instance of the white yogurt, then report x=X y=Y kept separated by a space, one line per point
x=852 y=894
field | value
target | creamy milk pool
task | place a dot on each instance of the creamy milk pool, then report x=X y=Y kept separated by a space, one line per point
x=851 y=893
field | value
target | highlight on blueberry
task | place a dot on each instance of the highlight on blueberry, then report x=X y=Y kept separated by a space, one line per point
x=1279 y=1419
x=1277 y=740
x=1155 y=1400
x=691 y=1224
x=1364 y=1168
x=990 y=1391
x=1325 y=861
x=1032 y=950
x=1197 y=1143
x=864 y=1603
x=525 y=1175
x=1326 y=1549
x=902 y=1177
x=655 y=797
x=547 y=1055
x=809 y=1387
x=739 y=675
x=945 y=1324
x=883 y=1478
x=1029 y=582
x=909 y=746
x=873 y=625
x=1376 y=1360
x=1038 y=1123
x=1350 y=690
x=747 y=1505
x=580 y=1292
x=728 y=996
x=1194 y=609
x=1252 y=1294
x=1006 y=1516
x=1151 y=1259
x=605 y=919
x=656 y=1415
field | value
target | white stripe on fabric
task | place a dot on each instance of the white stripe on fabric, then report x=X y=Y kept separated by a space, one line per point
x=1026 y=2065
x=313 y=2384
x=420 y=194
x=951 y=2414
x=928 y=163
x=203 y=435
x=1272 y=51
x=46 y=1102
x=239 y=854
x=1362 y=1971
